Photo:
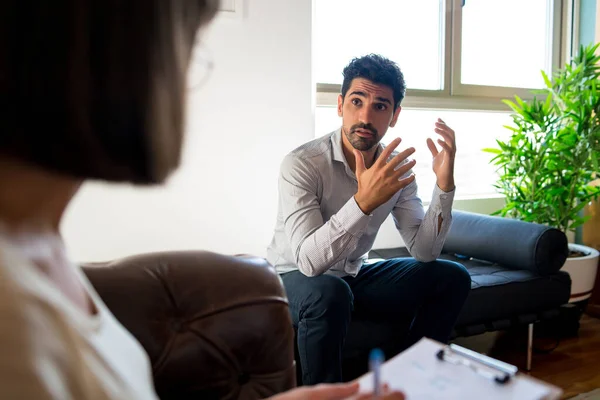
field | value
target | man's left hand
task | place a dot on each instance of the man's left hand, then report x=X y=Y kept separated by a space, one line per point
x=443 y=160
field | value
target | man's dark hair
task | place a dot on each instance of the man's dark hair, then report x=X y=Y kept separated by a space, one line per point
x=377 y=69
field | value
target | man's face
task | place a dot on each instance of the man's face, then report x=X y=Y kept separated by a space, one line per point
x=367 y=112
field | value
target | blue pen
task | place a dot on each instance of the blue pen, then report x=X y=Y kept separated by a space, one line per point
x=376 y=358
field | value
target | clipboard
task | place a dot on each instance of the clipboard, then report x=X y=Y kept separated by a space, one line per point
x=431 y=370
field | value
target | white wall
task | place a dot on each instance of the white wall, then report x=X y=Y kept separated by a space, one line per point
x=255 y=108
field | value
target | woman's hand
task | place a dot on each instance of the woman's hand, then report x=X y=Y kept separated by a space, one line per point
x=340 y=391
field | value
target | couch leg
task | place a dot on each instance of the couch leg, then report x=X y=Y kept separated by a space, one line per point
x=529 y=346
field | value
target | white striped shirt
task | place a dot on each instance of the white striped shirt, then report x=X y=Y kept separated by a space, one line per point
x=320 y=228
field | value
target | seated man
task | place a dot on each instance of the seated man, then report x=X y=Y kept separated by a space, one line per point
x=334 y=194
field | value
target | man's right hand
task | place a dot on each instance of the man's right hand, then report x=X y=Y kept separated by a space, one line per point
x=379 y=183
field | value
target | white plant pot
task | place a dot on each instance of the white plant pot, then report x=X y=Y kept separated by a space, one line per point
x=582 y=271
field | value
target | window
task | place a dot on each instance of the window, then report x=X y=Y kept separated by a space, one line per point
x=475 y=130
x=499 y=47
x=466 y=54
x=460 y=58
x=495 y=55
x=347 y=28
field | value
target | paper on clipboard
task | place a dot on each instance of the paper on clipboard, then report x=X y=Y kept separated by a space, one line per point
x=421 y=376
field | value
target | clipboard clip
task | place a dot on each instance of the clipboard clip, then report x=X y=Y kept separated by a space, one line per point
x=498 y=371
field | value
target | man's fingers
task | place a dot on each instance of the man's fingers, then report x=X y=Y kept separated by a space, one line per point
x=441 y=122
x=387 y=152
x=404 y=168
x=404 y=182
x=400 y=157
x=443 y=127
x=432 y=148
x=446 y=146
x=446 y=135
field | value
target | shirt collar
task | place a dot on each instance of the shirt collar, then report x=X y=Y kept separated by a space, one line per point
x=337 y=146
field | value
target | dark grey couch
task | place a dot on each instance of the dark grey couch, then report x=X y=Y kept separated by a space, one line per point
x=514 y=268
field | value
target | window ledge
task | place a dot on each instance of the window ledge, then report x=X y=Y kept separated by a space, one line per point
x=432 y=102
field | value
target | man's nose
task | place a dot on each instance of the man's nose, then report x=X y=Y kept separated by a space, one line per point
x=365 y=115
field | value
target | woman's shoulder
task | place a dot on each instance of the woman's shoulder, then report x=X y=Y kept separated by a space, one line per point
x=41 y=350
x=25 y=316
x=33 y=339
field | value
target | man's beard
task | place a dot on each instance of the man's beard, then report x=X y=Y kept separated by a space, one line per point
x=362 y=143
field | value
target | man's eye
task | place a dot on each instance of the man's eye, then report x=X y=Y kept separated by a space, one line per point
x=381 y=107
x=356 y=102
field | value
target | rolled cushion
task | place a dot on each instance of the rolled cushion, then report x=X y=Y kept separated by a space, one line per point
x=510 y=243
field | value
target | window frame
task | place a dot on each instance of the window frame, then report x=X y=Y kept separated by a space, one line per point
x=458 y=96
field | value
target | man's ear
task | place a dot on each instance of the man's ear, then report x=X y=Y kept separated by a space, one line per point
x=395 y=117
x=340 y=105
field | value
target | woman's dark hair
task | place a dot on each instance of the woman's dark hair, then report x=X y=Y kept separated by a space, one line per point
x=96 y=89
x=378 y=70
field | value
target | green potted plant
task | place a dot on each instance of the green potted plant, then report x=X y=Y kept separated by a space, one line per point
x=547 y=165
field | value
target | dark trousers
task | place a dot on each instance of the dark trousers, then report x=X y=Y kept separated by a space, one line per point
x=321 y=307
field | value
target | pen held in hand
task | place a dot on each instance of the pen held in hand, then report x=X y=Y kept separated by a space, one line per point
x=376 y=359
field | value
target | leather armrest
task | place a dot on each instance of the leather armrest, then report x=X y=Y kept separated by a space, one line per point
x=214 y=326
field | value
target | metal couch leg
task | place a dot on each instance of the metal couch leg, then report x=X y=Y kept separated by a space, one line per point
x=529 y=346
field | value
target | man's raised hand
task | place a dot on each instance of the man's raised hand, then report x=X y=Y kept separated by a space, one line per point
x=379 y=183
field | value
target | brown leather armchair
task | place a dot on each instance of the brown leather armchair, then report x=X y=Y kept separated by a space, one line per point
x=214 y=326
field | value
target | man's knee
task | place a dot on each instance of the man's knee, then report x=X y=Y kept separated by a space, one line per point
x=329 y=295
x=453 y=273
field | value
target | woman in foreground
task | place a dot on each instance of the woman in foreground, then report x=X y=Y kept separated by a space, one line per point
x=89 y=90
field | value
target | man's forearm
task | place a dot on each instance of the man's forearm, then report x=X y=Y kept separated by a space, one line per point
x=447 y=188
x=331 y=242
x=428 y=241
x=320 y=251
x=427 y=238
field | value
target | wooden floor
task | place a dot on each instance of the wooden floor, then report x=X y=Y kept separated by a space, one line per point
x=574 y=365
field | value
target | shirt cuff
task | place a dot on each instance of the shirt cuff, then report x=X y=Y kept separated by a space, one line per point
x=442 y=201
x=352 y=219
x=441 y=204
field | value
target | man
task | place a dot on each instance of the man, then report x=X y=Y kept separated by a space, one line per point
x=334 y=194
